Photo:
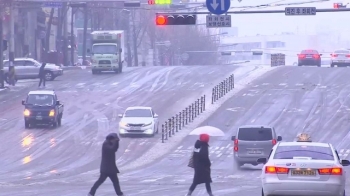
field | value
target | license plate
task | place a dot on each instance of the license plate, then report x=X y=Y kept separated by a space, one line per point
x=303 y=172
x=255 y=152
x=136 y=128
x=39 y=117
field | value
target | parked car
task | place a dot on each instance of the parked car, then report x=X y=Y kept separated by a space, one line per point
x=28 y=68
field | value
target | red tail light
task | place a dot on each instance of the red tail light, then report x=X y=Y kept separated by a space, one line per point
x=301 y=56
x=274 y=141
x=276 y=170
x=316 y=56
x=330 y=171
x=235 y=148
x=348 y=55
x=334 y=55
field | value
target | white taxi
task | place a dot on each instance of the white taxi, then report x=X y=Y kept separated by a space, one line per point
x=303 y=168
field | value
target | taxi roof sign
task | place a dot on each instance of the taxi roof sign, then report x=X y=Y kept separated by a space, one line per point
x=304 y=137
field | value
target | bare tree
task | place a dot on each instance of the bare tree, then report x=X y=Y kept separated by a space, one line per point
x=48 y=32
x=139 y=26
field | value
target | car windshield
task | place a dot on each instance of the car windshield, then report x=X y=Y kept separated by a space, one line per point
x=313 y=152
x=138 y=113
x=104 y=49
x=255 y=134
x=41 y=100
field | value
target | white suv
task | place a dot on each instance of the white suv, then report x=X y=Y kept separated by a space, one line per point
x=138 y=121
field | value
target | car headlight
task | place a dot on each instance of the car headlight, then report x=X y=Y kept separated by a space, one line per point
x=52 y=113
x=148 y=124
x=123 y=124
x=26 y=112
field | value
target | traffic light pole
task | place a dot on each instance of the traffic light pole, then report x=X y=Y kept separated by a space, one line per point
x=254 y=12
x=2 y=83
x=11 y=47
x=85 y=34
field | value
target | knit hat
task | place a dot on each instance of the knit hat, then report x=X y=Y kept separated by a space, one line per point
x=204 y=137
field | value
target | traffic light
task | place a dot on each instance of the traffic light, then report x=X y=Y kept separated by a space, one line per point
x=160 y=2
x=176 y=19
x=338 y=5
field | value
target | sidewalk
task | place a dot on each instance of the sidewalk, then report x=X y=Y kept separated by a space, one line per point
x=4 y=89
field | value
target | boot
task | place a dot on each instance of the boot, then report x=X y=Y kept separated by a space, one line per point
x=189 y=193
x=210 y=194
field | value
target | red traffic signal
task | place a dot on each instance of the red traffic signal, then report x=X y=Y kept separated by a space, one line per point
x=338 y=5
x=161 y=20
x=176 y=19
x=151 y=2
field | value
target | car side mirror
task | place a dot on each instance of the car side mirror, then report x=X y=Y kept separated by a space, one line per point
x=23 y=102
x=155 y=115
x=233 y=138
x=88 y=50
x=320 y=54
x=297 y=54
x=279 y=138
x=262 y=160
x=120 y=115
x=58 y=103
x=345 y=162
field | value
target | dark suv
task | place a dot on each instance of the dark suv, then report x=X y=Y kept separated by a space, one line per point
x=253 y=142
x=309 y=57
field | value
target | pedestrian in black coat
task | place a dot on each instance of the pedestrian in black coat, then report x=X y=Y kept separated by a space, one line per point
x=108 y=166
x=42 y=74
x=201 y=164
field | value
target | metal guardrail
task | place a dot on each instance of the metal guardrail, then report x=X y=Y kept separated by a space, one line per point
x=183 y=118
x=222 y=88
x=187 y=115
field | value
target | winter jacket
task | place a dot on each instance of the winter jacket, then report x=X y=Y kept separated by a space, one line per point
x=108 y=164
x=201 y=163
x=42 y=70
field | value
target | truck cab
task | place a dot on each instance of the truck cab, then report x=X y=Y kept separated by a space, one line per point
x=107 y=51
x=42 y=107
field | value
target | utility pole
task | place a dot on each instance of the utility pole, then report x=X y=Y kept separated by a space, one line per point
x=12 y=37
x=85 y=33
x=2 y=83
x=72 y=45
x=65 y=34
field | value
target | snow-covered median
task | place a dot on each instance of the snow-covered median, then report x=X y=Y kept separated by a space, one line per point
x=243 y=76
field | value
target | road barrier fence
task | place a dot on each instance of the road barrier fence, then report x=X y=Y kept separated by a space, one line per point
x=183 y=118
x=187 y=115
x=222 y=88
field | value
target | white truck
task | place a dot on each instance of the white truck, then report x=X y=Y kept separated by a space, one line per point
x=107 y=51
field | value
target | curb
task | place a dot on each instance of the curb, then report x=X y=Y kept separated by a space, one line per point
x=4 y=89
x=75 y=67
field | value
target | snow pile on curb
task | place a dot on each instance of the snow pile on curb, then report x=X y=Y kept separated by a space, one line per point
x=160 y=149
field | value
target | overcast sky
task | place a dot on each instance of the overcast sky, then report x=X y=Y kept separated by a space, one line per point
x=267 y=24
